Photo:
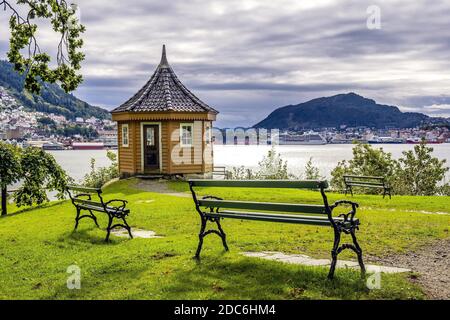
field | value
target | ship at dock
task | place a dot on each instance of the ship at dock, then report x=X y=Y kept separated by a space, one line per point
x=308 y=138
x=53 y=146
x=385 y=140
x=44 y=144
x=427 y=141
x=88 y=146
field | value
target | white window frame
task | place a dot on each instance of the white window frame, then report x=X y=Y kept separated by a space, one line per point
x=191 y=125
x=125 y=145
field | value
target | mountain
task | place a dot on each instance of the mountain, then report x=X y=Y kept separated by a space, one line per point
x=52 y=98
x=349 y=109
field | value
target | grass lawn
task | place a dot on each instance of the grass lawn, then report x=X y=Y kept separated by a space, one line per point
x=37 y=246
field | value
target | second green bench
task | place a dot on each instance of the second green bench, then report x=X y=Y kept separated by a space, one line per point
x=82 y=199
x=213 y=209
x=367 y=182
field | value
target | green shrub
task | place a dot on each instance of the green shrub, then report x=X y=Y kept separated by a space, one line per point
x=367 y=161
x=240 y=173
x=271 y=167
x=421 y=174
x=100 y=176
x=312 y=172
x=417 y=172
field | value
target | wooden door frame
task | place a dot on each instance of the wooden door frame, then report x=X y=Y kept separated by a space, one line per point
x=143 y=124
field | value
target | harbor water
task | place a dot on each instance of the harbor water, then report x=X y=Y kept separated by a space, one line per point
x=325 y=157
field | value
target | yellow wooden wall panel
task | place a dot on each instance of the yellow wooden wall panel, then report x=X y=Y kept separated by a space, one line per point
x=130 y=158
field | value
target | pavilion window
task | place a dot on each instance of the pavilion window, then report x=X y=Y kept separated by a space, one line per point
x=186 y=131
x=125 y=136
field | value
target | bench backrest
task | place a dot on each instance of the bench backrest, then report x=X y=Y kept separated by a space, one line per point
x=81 y=189
x=212 y=202
x=77 y=192
x=290 y=184
x=364 y=179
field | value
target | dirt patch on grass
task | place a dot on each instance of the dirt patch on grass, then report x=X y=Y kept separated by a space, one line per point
x=163 y=255
x=159 y=186
x=432 y=263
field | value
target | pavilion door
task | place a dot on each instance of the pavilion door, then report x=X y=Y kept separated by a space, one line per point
x=151 y=147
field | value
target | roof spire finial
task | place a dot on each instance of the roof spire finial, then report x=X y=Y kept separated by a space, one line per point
x=164 y=62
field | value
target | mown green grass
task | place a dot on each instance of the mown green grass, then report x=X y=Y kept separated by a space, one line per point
x=37 y=246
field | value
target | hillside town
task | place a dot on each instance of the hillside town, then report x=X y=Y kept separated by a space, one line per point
x=51 y=131
x=323 y=136
x=56 y=132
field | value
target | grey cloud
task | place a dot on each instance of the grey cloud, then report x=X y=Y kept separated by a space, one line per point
x=420 y=101
x=112 y=83
x=281 y=87
x=247 y=57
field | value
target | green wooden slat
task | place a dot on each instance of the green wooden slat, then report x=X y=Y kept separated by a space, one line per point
x=265 y=206
x=260 y=184
x=364 y=177
x=277 y=215
x=83 y=189
x=97 y=206
x=93 y=208
x=88 y=202
x=365 y=184
x=271 y=218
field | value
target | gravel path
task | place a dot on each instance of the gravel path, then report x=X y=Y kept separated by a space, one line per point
x=159 y=186
x=432 y=263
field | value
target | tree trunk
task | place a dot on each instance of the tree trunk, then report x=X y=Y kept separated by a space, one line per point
x=4 y=201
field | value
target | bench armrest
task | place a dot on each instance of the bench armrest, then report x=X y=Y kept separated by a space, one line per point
x=212 y=198
x=349 y=216
x=77 y=196
x=121 y=207
x=341 y=202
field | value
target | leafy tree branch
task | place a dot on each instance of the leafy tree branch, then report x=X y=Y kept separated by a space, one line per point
x=35 y=64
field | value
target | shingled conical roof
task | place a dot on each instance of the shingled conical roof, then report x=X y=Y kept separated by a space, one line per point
x=164 y=93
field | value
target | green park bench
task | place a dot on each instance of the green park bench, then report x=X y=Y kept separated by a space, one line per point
x=366 y=182
x=82 y=200
x=213 y=209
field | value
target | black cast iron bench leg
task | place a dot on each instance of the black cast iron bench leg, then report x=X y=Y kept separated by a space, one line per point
x=94 y=218
x=338 y=249
x=90 y=215
x=110 y=227
x=204 y=233
x=334 y=254
x=77 y=218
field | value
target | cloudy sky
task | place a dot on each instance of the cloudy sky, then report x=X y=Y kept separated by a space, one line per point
x=247 y=57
